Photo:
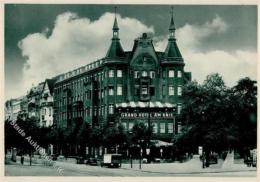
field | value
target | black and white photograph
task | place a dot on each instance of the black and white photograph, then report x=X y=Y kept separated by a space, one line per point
x=130 y=90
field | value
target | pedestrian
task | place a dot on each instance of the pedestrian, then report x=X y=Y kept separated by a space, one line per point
x=203 y=159
x=22 y=159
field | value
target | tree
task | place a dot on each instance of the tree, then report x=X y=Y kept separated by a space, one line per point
x=210 y=116
x=115 y=135
x=139 y=132
x=245 y=96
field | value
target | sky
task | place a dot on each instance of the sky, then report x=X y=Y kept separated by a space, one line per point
x=42 y=41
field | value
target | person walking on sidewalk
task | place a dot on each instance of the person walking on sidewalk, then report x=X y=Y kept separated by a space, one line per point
x=22 y=159
x=203 y=160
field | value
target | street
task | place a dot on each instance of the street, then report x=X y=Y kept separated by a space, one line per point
x=190 y=168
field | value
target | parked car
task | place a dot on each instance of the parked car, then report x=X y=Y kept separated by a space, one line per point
x=53 y=157
x=80 y=160
x=213 y=159
x=112 y=160
x=92 y=161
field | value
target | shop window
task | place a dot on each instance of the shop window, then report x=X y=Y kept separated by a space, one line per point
x=155 y=128
x=170 y=127
x=131 y=125
x=162 y=127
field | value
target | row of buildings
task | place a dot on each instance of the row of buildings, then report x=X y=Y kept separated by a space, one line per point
x=37 y=103
x=138 y=85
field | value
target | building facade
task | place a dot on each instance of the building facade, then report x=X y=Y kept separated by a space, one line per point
x=46 y=103
x=141 y=85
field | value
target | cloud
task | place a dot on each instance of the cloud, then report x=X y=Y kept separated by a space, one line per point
x=231 y=65
x=73 y=42
x=190 y=36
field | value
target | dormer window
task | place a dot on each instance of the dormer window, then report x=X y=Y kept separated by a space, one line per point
x=144 y=59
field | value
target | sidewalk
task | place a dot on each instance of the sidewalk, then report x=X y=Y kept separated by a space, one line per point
x=192 y=166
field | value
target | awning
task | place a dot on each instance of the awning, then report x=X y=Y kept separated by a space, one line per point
x=139 y=104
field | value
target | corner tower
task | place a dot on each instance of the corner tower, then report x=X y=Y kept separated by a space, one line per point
x=115 y=50
x=172 y=52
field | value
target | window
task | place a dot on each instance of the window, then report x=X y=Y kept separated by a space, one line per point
x=124 y=124
x=179 y=127
x=171 y=73
x=144 y=91
x=136 y=74
x=162 y=127
x=111 y=109
x=119 y=73
x=111 y=91
x=102 y=93
x=171 y=90
x=105 y=110
x=155 y=128
x=115 y=33
x=170 y=127
x=152 y=74
x=50 y=112
x=144 y=73
x=131 y=125
x=164 y=74
x=111 y=73
x=178 y=109
x=179 y=74
x=119 y=90
x=163 y=90
x=179 y=90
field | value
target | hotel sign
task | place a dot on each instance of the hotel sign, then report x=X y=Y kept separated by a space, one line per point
x=145 y=115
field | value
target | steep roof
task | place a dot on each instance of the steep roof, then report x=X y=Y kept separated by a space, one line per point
x=115 y=50
x=50 y=83
x=172 y=50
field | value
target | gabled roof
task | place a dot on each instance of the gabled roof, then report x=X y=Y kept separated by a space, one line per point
x=50 y=83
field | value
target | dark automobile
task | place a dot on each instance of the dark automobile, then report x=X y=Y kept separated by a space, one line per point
x=80 y=160
x=92 y=161
x=213 y=159
x=54 y=157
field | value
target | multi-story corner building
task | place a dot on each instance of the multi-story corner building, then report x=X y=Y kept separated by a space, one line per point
x=46 y=103
x=142 y=85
